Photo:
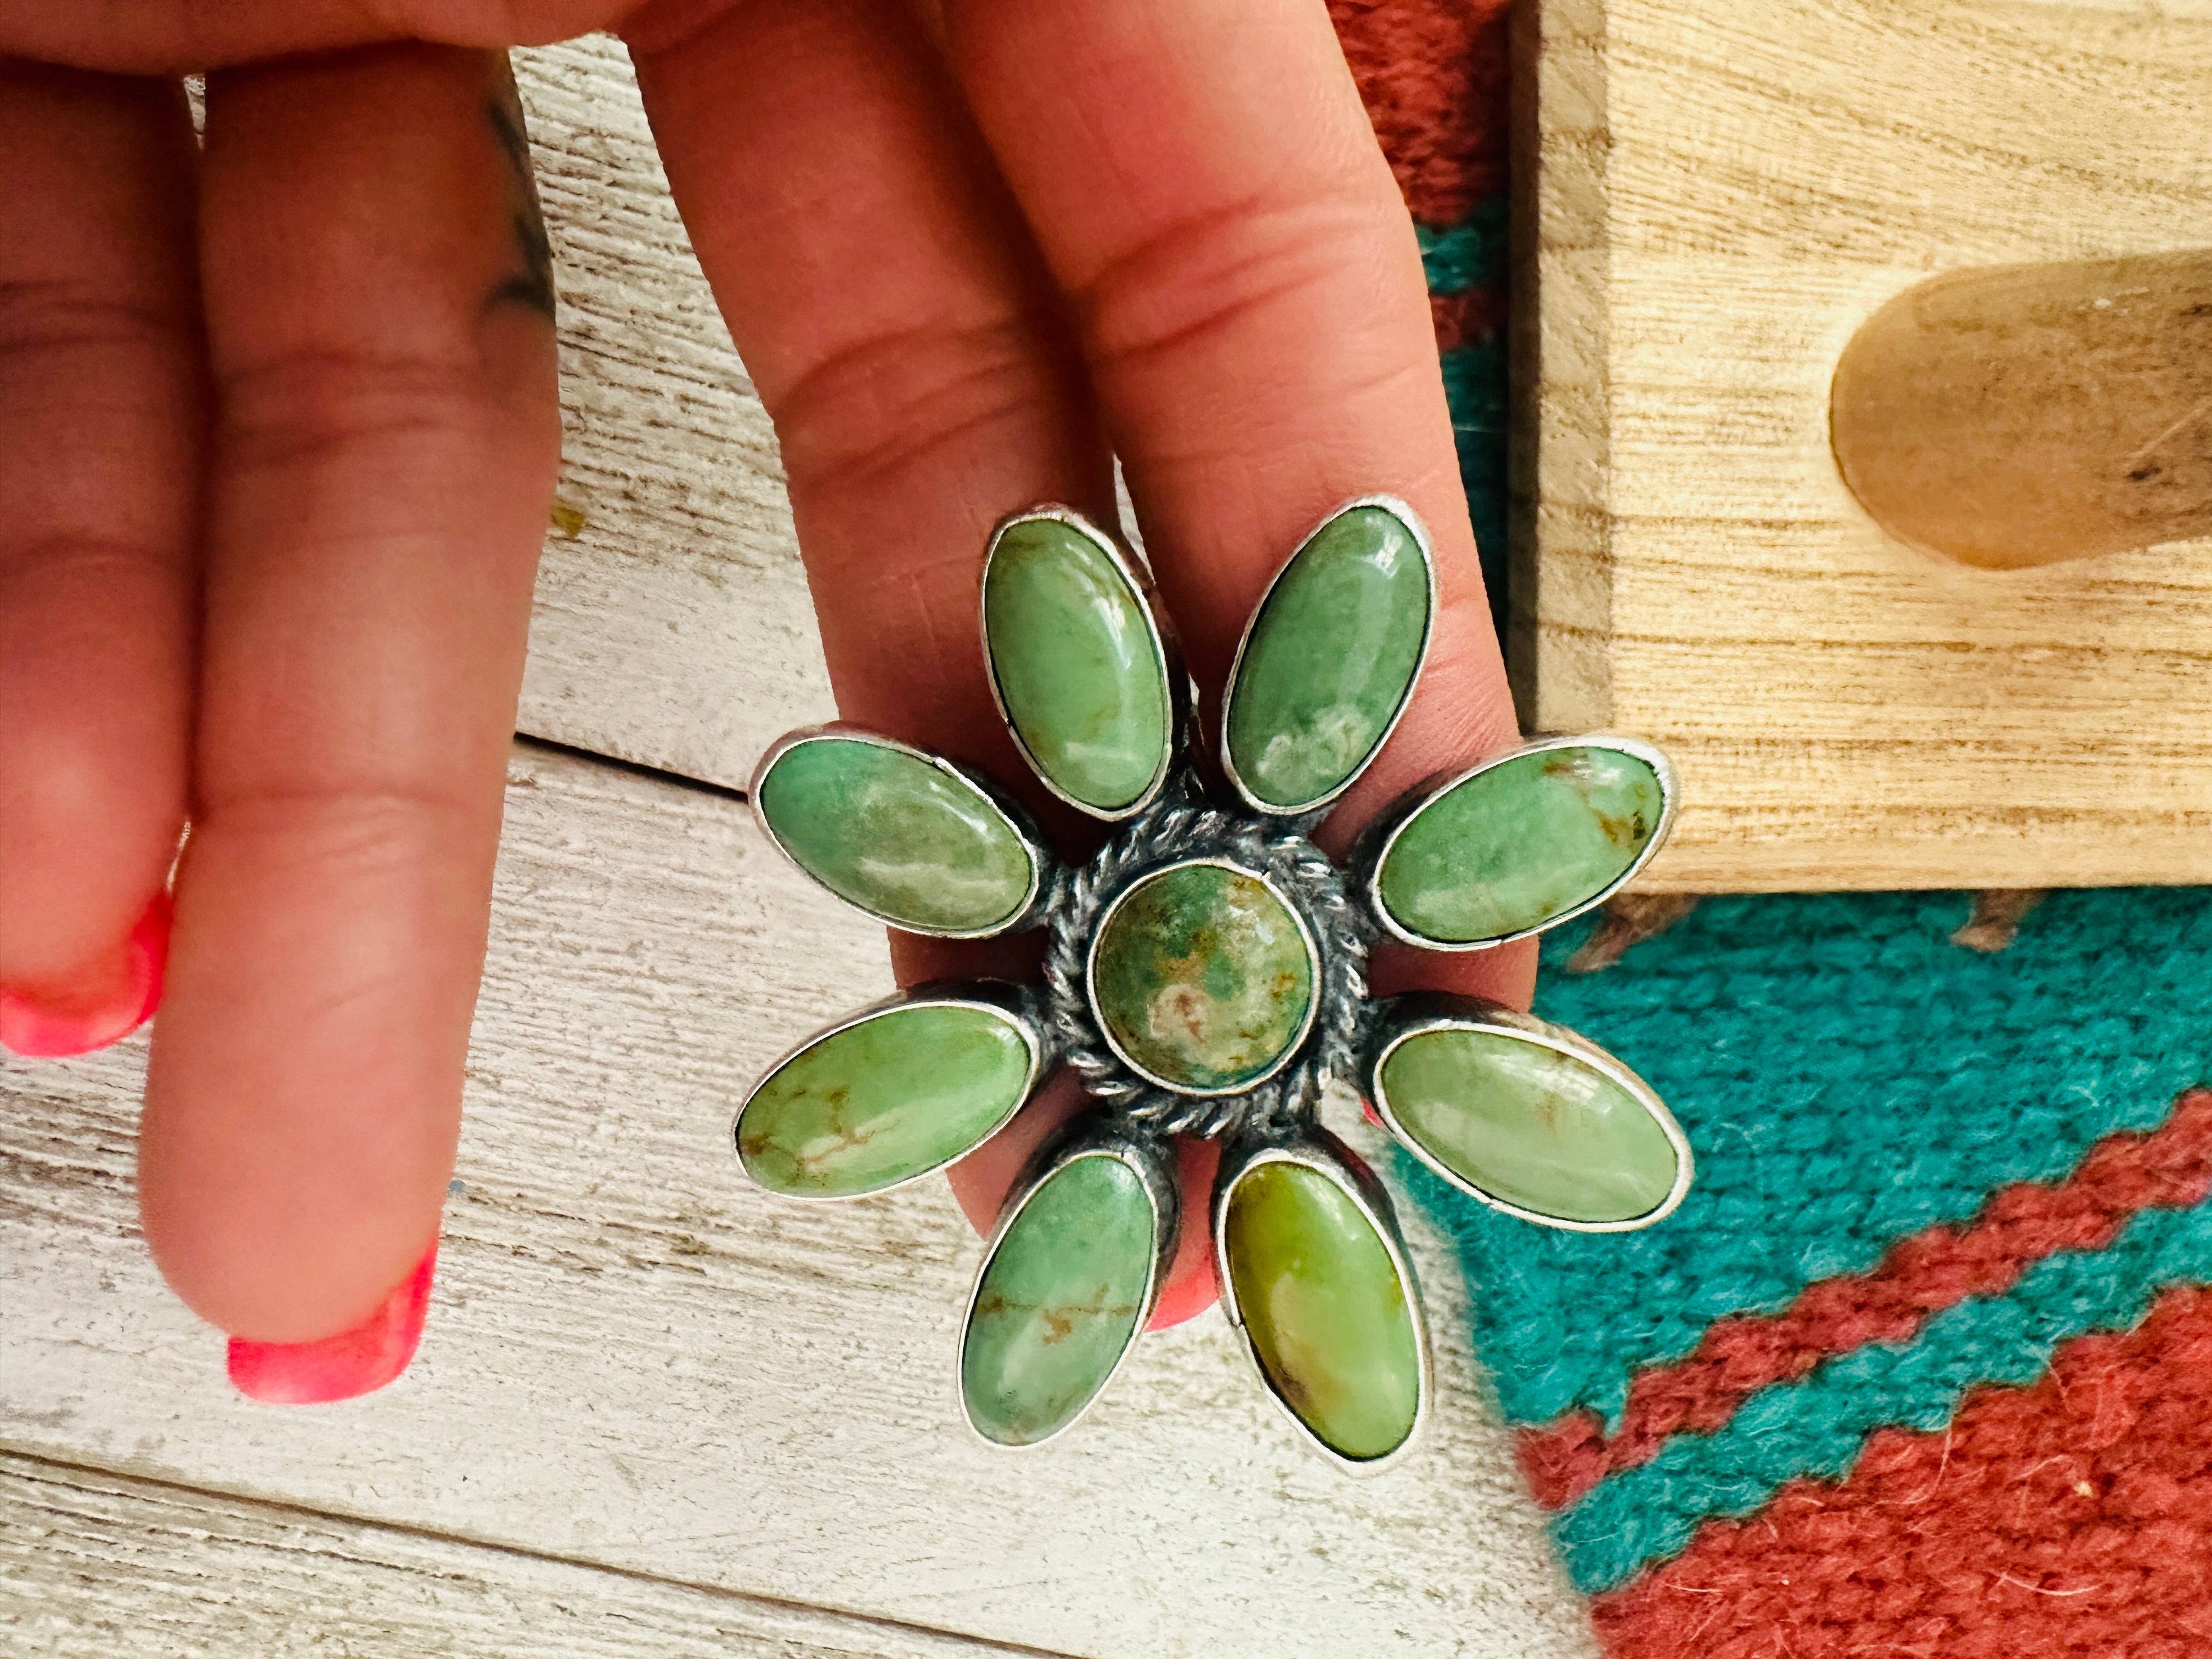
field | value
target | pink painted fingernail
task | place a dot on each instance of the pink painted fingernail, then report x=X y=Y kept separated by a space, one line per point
x=114 y=1001
x=343 y=1367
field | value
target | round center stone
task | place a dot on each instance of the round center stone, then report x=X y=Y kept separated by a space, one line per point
x=1203 y=978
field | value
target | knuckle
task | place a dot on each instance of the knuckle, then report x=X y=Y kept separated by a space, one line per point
x=892 y=402
x=301 y=408
x=1208 y=278
x=56 y=315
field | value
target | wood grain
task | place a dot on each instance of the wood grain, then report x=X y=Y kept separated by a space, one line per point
x=673 y=625
x=102 y=1566
x=635 y=1362
x=1723 y=193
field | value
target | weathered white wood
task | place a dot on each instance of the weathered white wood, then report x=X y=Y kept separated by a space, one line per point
x=634 y=1360
x=1722 y=192
x=673 y=626
x=102 y=1566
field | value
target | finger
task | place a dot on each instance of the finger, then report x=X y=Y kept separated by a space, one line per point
x=171 y=37
x=102 y=415
x=379 y=321
x=1210 y=196
x=888 y=304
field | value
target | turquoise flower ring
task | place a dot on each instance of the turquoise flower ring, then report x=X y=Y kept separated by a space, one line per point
x=1204 y=974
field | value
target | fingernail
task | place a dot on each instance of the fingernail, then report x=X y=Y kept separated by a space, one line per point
x=112 y=1001
x=353 y=1363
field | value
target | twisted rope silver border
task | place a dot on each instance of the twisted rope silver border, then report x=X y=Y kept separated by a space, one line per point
x=1184 y=826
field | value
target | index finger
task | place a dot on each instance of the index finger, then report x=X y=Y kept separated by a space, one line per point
x=1211 y=197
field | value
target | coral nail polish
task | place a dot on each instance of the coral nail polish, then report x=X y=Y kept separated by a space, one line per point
x=341 y=1367
x=113 y=1000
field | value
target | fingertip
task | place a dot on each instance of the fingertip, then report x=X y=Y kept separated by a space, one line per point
x=355 y=1361
x=103 y=1004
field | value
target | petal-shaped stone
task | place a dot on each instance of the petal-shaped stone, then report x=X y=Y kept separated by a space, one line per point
x=1544 y=1131
x=1520 y=843
x=905 y=840
x=1077 y=663
x=897 y=1095
x=1328 y=1313
x=1203 y=978
x=1330 y=660
x=1058 y=1301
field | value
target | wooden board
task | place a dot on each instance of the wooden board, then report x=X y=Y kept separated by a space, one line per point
x=637 y=1363
x=673 y=625
x=102 y=1566
x=1722 y=192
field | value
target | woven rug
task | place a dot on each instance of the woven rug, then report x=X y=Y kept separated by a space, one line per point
x=1924 y=1365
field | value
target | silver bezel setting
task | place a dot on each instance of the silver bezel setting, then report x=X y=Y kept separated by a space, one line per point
x=1043 y=865
x=1316 y=1149
x=1373 y=851
x=1410 y=1015
x=1098 y=931
x=1412 y=521
x=1016 y=1005
x=1154 y=1168
x=1183 y=830
x=1167 y=655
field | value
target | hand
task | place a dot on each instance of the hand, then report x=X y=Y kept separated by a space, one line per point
x=280 y=431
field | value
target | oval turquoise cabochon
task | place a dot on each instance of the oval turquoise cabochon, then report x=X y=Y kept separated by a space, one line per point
x=1519 y=1121
x=1330 y=658
x=1077 y=663
x=894 y=1095
x=1329 y=1314
x=1520 y=843
x=902 y=838
x=1059 y=1302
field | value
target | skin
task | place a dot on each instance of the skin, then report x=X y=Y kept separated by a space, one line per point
x=280 y=432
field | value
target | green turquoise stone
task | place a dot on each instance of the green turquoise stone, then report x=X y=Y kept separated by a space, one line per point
x=899 y=1094
x=1327 y=1311
x=901 y=838
x=1076 y=663
x=1524 y=842
x=1543 y=1130
x=1059 y=1302
x=1203 y=977
x=1331 y=659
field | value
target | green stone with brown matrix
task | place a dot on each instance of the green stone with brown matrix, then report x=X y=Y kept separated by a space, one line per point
x=897 y=836
x=1330 y=660
x=898 y=1094
x=1203 y=977
x=1076 y=663
x=1546 y=1131
x=1325 y=1307
x=1520 y=842
x=1059 y=1302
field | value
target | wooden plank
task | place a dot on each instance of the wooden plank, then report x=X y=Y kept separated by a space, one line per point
x=672 y=623
x=102 y=1566
x=1722 y=193
x=637 y=1361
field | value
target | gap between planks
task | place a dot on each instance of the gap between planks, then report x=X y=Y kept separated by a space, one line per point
x=127 y=1538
